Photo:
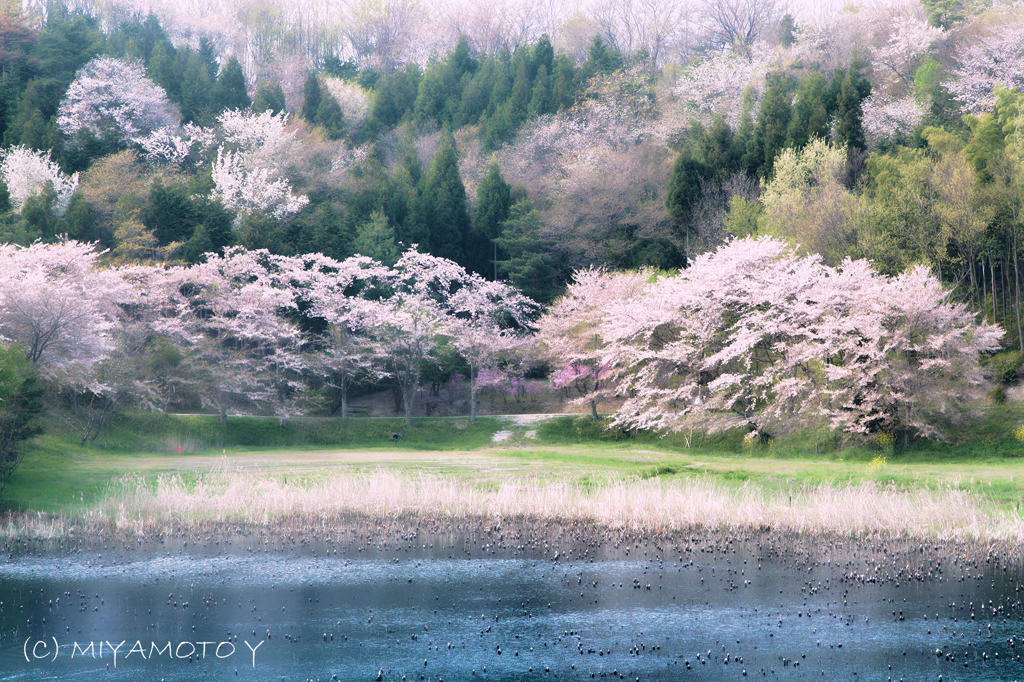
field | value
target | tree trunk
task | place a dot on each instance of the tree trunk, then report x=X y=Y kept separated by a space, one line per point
x=1016 y=289
x=408 y=394
x=992 y=273
x=472 y=395
x=223 y=407
x=593 y=409
x=108 y=404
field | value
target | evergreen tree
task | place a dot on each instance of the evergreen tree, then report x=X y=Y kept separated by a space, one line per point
x=543 y=98
x=684 y=191
x=162 y=70
x=80 y=221
x=231 y=92
x=269 y=97
x=196 y=92
x=331 y=236
x=528 y=264
x=522 y=92
x=544 y=54
x=311 y=97
x=806 y=122
x=772 y=124
x=493 y=202
x=376 y=239
x=170 y=215
x=849 y=116
x=330 y=117
x=717 y=150
x=442 y=204
x=208 y=58
x=563 y=91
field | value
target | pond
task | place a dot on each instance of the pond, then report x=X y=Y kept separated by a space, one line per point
x=499 y=604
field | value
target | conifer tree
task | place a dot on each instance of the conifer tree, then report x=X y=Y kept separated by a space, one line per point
x=196 y=91
x=528 y=264
x=849 y=116
x=442 y=205
x=311 y=97
x=772 y=124
x=542 y=100
x=330 y=117
x=269 y=97
x=493 y=202
x=231 y=92
x=376 y=239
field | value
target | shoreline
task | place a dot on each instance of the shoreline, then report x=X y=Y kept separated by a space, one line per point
x=870 y=558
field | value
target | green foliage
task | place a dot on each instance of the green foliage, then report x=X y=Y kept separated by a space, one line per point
x=376 y=239
x=21 y=401
x=849 y=116
x=524 y=258
x=269 y=97
x=176 y=213
x=330 y=117
x=741 y=220
x=772 y=128
x=441 y=208
x=230 y=91
x=311 y=97
x=1006 y=366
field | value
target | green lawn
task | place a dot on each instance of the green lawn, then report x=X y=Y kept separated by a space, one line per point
x=60 y=476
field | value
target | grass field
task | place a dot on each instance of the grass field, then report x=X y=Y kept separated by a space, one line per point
x=61 y=477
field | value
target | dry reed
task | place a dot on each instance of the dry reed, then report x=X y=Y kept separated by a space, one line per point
x=635 y=505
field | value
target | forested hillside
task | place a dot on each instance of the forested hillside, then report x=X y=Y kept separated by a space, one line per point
x=513 y=144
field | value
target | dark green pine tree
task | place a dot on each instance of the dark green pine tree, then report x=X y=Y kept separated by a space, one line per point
x=330 y=117
x=522 y=92
x=849 y=115
x=543 y=98
x=196 y=91
x=493 y=202
x=311 y=97
x=544 y=54
x=163 y=70
x=772 y=124
x=208 y=58
x=230 y=92
x=683 y=192
x=563 y=90
x=805 y=123
x=528 y=262
x=269 y=97
x=442 y=206
x=169 y=214
x=716 y=148
x=601 y=58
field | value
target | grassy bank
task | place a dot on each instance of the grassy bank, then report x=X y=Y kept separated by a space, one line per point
x=257 y=469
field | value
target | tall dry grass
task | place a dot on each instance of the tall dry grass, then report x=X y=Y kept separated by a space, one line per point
x=635 y=505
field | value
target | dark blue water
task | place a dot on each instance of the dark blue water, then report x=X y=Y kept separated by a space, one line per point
x=700 y=612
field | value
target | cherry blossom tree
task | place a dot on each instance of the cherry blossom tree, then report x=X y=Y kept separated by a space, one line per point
x=718 y=83
x=177 y=145
x=432 y=299
x=346 y=354
x=229 y=315
x=480 y=314
x=113 y=98
x=781 y=340
x=248 y=167
x=996 y=59
x=571 y=335
x=27 y=172
x=61 y=308
x=885 y=118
